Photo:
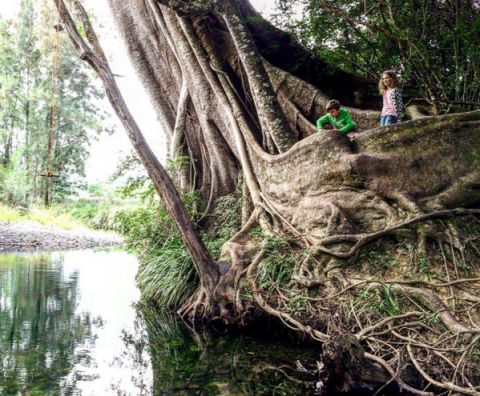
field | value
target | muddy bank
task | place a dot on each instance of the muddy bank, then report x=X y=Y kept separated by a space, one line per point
x=30 y=236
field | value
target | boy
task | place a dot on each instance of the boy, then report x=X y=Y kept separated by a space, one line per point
x=337 y=118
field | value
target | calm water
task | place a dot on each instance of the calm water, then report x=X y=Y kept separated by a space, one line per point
x=71 y=324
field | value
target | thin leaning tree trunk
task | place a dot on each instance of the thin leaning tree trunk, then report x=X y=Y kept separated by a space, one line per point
x=93 y=54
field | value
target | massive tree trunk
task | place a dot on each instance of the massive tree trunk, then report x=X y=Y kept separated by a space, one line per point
x=228 y=100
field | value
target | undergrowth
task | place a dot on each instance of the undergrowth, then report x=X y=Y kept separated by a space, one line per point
x=70 y=215
x=52 y=216
x=166 y=274
x=9 y=214
x=276 y=269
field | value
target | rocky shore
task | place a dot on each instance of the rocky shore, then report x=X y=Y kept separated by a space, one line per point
x=30 y=236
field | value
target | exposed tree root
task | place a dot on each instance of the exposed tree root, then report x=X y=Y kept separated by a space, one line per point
x=359 y=240
x=368 y=351
x=434 y=331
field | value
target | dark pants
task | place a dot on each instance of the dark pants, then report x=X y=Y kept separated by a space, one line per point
x=388 y=120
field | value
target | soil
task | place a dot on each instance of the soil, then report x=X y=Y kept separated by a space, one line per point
x=31 y=236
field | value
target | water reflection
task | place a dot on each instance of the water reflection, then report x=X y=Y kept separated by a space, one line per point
x=61 y=320
x=71 y=324
x=185 y=362
x=39 y=327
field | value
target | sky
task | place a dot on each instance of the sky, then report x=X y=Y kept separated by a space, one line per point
x=106 y=153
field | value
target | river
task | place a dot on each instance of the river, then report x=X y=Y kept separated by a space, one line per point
x=72 y=323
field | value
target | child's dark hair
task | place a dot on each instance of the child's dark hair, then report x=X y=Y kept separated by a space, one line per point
x=333 y=105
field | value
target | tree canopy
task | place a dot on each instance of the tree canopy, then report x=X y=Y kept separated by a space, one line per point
x=432 y=44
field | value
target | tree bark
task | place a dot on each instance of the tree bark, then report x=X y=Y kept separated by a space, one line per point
x=271 y=118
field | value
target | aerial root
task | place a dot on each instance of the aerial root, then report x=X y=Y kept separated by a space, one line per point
x=360 y=240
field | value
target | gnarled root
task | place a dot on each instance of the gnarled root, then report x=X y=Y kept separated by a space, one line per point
x=345 y=367
x=404 y=327
x=431 y=337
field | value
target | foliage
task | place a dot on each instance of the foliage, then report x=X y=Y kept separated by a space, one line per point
x=176 y=164
x=96 y=213
x=277 y=267
x=433 y=45
x=52 y=216
x=371 y=300
x=13 y=180
x=167 y=273
x=227 y=221
x=168 y=278
x=100 y=207
x=42 y=80
x=9 y=214
x=381 y=260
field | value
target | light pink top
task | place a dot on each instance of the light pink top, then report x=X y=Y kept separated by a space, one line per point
x=388 y=107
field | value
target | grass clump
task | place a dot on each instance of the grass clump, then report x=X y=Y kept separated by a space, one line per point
x=381 y=261
x=166 y=274
x=384 y=300
x=168 y=278
x=277 y=267
x=9 y=214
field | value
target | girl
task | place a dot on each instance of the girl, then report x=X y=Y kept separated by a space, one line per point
x=392 y=98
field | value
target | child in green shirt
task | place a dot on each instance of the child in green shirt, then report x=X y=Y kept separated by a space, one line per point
x=337 y=118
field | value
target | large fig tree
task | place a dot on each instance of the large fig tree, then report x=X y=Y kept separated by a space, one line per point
x=240 y=99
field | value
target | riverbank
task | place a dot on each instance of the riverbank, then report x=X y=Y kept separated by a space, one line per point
x=30 y=236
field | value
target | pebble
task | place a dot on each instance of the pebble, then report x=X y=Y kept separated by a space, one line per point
x=27 y=236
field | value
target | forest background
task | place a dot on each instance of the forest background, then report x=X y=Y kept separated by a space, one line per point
x=87 y=189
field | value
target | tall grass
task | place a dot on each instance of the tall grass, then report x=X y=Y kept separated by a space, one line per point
x=47 y=216
x=69 y=216
x=167 y=275
x=9 y=214
x=53 y=216
x=168 y=278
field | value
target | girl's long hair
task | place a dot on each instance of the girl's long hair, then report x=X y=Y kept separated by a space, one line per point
x=390 y=73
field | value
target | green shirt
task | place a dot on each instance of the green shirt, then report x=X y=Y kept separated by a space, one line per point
x=343 y=122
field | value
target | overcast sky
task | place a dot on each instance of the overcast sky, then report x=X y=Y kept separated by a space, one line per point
x=105 y=154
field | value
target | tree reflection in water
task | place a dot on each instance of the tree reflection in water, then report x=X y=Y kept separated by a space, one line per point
x=187 y=363
x=39 y=327
x=56 y=340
